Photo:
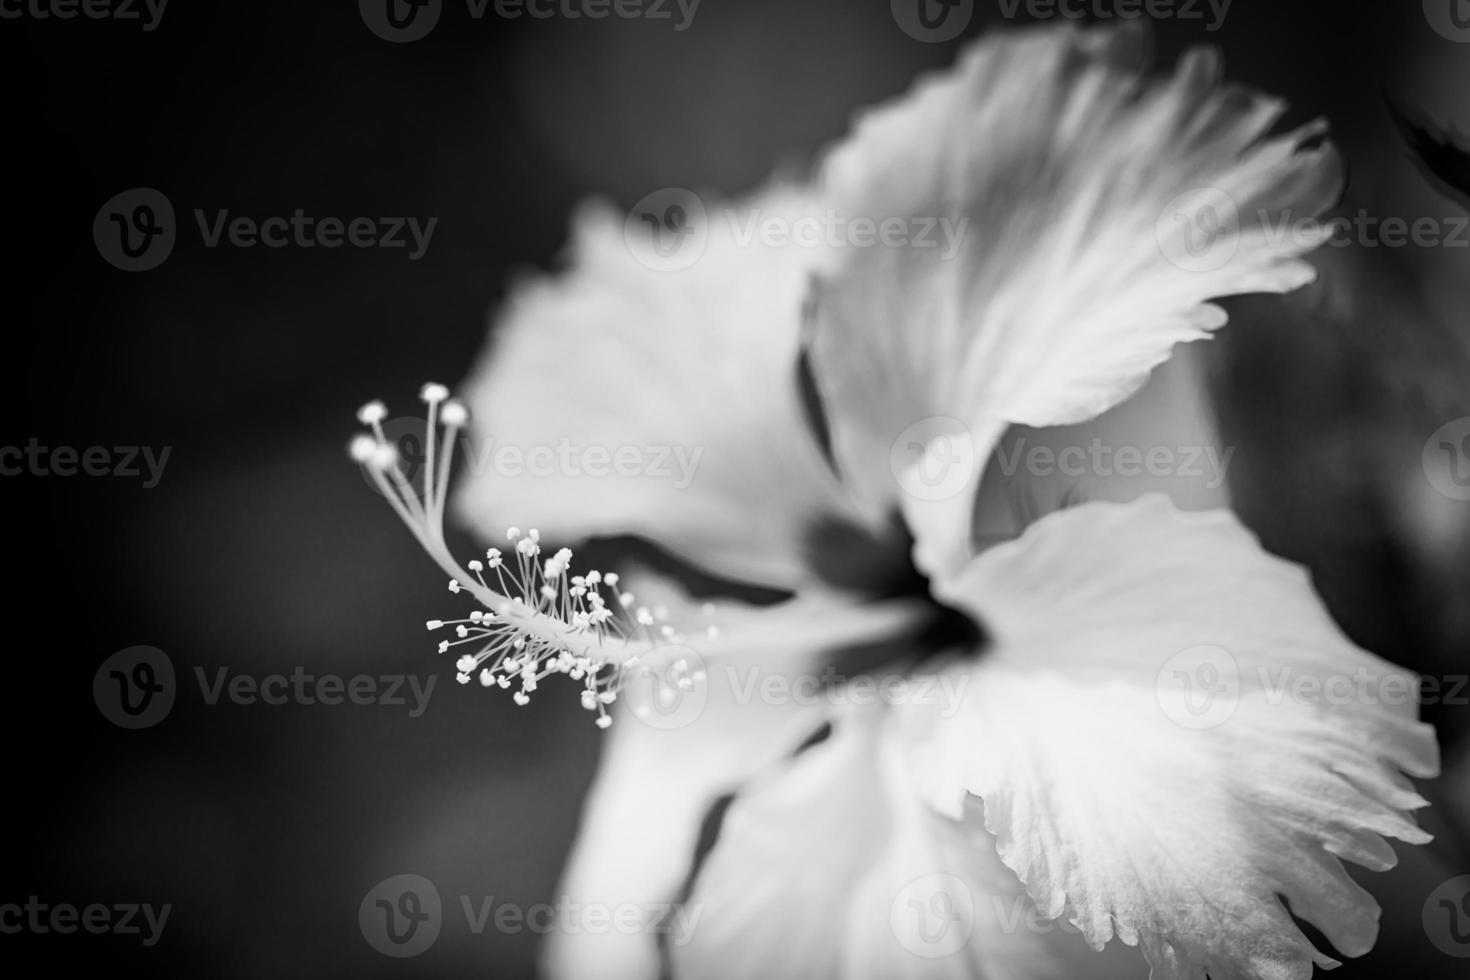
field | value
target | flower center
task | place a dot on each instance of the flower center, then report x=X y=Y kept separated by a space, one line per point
x=881 y=568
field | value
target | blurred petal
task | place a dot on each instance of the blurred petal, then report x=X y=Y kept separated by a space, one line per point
x=834 y=867
x=1100 y=214
x=668 y=762
x=1170 y=732
x=694 y=369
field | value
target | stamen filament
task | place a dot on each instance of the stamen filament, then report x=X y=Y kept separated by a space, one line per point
x=542 y=620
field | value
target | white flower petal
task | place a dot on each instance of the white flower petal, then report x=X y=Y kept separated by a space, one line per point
x=833 y=867
x=1170 y=732
x=662 y=771
x=1076 y=182
x=691 y=372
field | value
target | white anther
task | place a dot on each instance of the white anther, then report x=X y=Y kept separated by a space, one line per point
x=454 y=414
x=362 y=448
x=373 y=411
x=384 y=456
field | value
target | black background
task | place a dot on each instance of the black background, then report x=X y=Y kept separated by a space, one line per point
x=263 y=549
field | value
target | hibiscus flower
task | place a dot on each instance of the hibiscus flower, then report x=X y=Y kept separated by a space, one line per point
x=1089 y=716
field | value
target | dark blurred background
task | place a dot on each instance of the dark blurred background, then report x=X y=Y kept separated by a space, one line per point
x=262 y=549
